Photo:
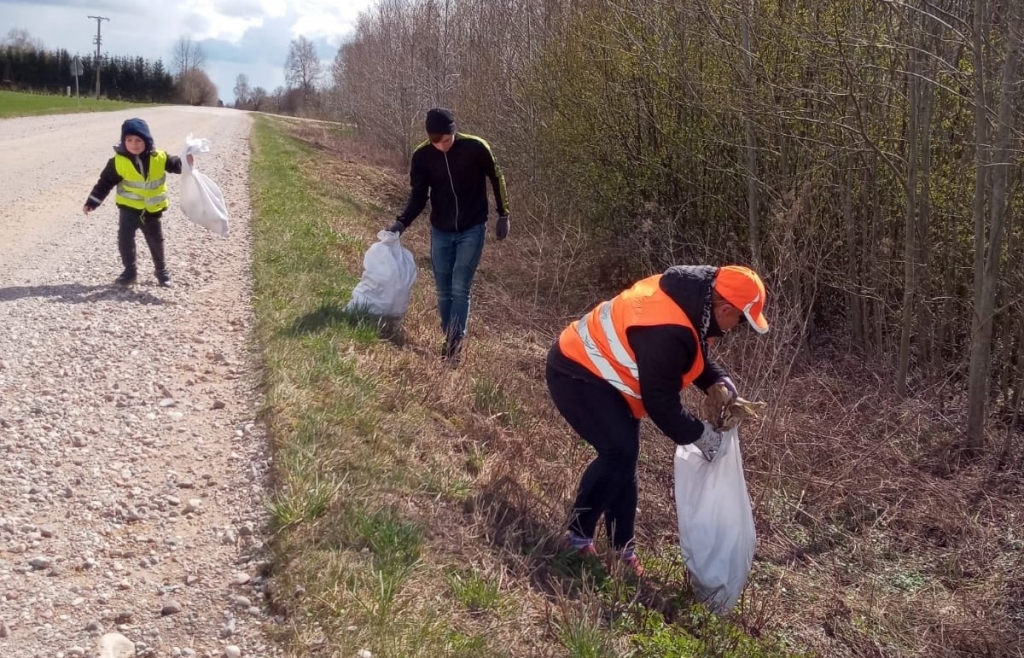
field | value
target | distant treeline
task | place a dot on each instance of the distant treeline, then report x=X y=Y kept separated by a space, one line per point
x=121 y=78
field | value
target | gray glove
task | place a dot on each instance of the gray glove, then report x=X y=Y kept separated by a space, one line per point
x=501 y=228
x=709 y=443
x=397 y=227
x=729 y=386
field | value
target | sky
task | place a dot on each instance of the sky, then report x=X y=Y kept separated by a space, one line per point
x=238 y=36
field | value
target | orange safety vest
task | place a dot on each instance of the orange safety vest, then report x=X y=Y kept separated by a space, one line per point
x=597 y=341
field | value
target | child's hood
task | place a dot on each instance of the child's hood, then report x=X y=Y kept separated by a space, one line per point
x=139 y=128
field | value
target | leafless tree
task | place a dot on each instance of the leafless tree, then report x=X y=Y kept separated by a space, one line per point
x=243 y=94
x=302 y=68
x=258 y=98
x=989 y=238
x=189 y=59
x=19 y=39
x=860 y=128
x=197 y=88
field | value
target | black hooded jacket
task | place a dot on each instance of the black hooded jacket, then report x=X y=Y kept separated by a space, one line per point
x=109 y=178
x=455 y=184
x=664 y=353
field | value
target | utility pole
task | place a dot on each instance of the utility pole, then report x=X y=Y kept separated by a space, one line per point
x=98 y=39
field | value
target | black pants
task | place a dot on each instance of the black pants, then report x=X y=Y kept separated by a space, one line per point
x=129 y=221
x=600 y=415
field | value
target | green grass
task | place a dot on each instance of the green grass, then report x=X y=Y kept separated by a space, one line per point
x=475 y=592
x=16 y=104
x=585 y=638
x=348 y=561
x=381 y=464
x=490 y=398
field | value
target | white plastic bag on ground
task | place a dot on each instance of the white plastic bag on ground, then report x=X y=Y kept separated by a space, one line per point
x=389 y=273
x=201 y=199
x=716 y=523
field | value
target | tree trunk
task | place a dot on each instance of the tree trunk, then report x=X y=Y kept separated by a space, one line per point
x=878 y=257
x=753 y=215
x=1018 y=396
x=910 y=226
x=984 y=305
x=868 y=254
x=852 y=258
x=925 y=286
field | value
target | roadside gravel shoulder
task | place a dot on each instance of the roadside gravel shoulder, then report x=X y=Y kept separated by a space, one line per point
x=132 y=466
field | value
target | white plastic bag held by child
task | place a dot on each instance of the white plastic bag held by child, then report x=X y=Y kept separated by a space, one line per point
x=201 y=199
x=716 y=524
x=389 y=273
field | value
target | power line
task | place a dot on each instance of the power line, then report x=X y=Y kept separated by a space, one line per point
x=98 y=40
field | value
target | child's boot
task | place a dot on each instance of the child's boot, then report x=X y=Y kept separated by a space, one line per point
x=163 y=277
x=126 y=247
x=127 y=278
x=155 y=241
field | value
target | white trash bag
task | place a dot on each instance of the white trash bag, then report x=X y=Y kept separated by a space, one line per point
x=389 y=273
x=201 y=199
x=716 y=523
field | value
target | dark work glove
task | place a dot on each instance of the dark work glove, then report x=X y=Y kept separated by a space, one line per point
x=501 y=228
x=397 y=227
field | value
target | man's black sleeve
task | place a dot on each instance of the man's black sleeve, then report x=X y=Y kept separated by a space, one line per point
x=664 y=353
x=493 y=172
x=419 y=192
x=712 y=373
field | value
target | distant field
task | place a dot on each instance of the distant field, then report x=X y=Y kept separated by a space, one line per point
x=15 y=104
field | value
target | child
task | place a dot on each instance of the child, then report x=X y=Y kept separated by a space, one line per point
x=138 y=171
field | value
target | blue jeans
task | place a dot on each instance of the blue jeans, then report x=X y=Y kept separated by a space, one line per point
x=454 y=257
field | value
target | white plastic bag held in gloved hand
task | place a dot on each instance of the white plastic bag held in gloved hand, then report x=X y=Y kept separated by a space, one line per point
x=716 y=524
x=201 y=199
x=389 y=273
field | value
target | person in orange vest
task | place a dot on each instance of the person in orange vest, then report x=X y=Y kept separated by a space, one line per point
x=630 y=357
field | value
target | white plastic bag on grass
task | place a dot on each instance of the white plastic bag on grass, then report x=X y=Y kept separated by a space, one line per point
x=389 y=273
x=201 y=198
x=716 y=524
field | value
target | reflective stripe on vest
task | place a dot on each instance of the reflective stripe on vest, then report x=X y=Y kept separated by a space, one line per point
x=136 y=192
x=144 y=185
x=597 y=340
x=617 y=349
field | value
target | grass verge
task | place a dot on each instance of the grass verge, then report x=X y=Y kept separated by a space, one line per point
x=415 y=509
x=17 y=104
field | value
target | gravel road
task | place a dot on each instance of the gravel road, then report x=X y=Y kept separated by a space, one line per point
x=131 y=465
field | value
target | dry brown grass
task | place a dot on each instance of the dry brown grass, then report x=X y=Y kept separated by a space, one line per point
x=870 y=542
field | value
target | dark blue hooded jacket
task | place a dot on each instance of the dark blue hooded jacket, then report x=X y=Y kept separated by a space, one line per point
x=109 y=178
x=139 y=128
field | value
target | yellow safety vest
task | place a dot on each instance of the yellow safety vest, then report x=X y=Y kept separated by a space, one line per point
x=135 y=191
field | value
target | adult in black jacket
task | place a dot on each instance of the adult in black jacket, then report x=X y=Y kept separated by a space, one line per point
x=451 y=169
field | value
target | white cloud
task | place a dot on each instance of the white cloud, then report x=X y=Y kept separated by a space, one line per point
x=240 y=36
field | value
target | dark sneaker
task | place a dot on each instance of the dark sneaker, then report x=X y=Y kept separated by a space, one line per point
x=451 y=353
x=164 y=279
x=127 y=278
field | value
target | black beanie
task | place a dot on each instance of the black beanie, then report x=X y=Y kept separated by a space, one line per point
x=440 y=122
